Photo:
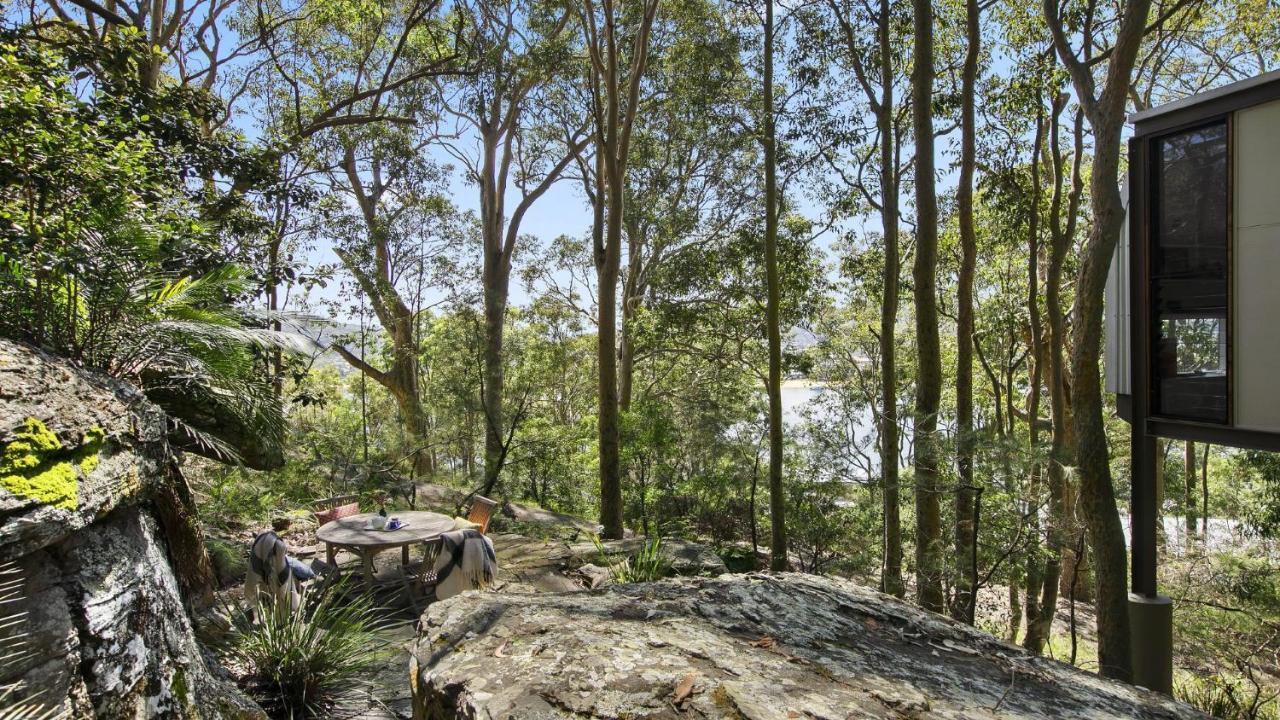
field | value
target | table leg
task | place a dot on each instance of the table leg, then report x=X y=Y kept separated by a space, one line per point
x=330 y=555
x=404 y=555
x=366 y=558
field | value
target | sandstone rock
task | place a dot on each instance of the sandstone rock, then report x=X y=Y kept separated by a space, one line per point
x=570 y=525
x=93 y=623
x=686 y=558
x=438 y=498
x=758 y=646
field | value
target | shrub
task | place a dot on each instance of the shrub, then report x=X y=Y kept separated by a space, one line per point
x=1227 y=698
x=647 y=565
x=307 y=662
x=229 y=561
x=738 y=558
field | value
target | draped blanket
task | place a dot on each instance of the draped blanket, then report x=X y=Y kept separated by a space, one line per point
x=466 y=562
x=269 y=579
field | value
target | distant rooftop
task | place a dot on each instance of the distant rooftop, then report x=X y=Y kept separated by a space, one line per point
x=1237 y=95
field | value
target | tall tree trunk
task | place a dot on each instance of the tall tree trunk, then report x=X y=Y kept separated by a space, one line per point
x=929 y=565
x=891 y=577
x=1097 y=491
x=1204 y=492
x=966 y=522
x=632 y=297
x=614 y=117
x=1032 y=577
x=1038 y=631
x=1189 y=475
x=496 y=280
x=608 y=265
x=777 y=502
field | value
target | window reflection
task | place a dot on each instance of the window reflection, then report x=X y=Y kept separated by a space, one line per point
x=1189 y=274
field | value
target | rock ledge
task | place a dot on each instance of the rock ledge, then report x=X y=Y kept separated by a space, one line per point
x=750 y=646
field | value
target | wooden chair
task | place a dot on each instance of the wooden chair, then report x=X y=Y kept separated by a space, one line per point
x=335 y=508
x=481 y=510
x=421 y=576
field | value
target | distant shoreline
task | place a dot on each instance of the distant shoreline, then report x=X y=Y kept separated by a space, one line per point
x=800 y=384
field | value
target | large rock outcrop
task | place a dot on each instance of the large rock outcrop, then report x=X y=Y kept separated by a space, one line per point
x=92 y=514
x=757 y=646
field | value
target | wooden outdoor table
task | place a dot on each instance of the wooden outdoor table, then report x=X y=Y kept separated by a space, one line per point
x=353 y=533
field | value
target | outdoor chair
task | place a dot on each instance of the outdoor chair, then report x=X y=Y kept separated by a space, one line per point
x=481 y=510
x=335 y=508
x=421 y=576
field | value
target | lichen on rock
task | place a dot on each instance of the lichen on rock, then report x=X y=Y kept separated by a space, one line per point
x=95 y=615
x=35 y=465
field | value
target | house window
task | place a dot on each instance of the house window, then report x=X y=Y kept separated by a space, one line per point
x=1188 y=265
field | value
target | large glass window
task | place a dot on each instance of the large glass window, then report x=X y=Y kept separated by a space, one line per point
x=1188 y=262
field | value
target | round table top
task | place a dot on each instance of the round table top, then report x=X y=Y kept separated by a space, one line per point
x=354 y=529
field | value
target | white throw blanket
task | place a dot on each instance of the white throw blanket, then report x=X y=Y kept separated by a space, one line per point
x=269 y=580
x=466 y=562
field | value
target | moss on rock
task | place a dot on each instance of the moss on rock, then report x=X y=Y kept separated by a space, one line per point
x=35 y=465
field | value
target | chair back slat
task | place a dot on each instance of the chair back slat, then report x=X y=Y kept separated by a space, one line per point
x=481 y=510
x=335 y=508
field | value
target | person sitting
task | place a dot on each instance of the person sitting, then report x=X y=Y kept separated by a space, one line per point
x=273 y=575
x=301 y=571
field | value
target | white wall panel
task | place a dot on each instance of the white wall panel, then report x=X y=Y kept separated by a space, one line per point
x=1256 y=342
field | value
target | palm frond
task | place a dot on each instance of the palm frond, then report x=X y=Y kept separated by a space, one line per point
x=210 y=444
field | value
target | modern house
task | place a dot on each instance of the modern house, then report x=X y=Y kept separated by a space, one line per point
x=1193 y=305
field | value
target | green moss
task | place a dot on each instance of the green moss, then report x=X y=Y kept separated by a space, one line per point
x=35 y=466
x=92 y=444
x=178 y=688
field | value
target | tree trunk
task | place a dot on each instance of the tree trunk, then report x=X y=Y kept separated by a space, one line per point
x=1204 y=490
x=891 y=576
x=929 y=565
x=1189 y=475
x=1056 y=534
x=777 y=502
x=965 y=508
x=1162 y=462
x=614 y=116
x=1097 y=491
x=608 y=265
x=1032 y=578
x=496 y=277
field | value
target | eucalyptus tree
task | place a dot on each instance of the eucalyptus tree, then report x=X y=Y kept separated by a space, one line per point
x=195 y=43
x=1062 y=215
x=852 y=48
x=773 y=326
x=967 y=493
x=362 y=77
x=928 y=450
x=691 y=167
x=770 y=29
x=616 y=39
x=500 y=125
x=396 y=245
x=1104 y=106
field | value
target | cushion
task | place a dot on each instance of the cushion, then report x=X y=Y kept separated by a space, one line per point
x=337 y=513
